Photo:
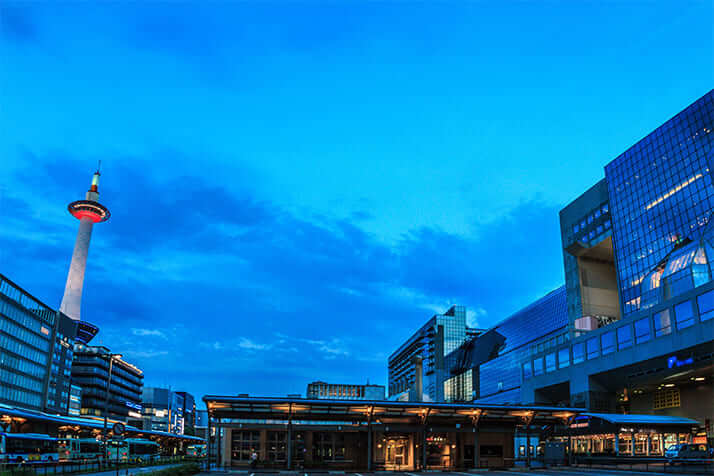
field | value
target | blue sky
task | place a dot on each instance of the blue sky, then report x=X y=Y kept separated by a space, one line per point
x=295 y=187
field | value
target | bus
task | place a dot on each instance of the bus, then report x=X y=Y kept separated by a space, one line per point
x=196 y=451
x=24 y=447
x=133 y=450
x=79 y=449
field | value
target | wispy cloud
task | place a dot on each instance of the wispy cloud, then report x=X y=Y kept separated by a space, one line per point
x=148 y=332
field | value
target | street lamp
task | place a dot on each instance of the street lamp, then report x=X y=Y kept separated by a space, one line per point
x=111 y=358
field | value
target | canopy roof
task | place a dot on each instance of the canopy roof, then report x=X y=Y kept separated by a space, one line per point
x=279 y=408
x=6 y=411
x=642 y=419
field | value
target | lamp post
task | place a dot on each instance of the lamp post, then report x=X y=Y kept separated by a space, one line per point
x=111 y=358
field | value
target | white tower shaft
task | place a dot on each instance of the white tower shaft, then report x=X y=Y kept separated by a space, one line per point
x=72 y=299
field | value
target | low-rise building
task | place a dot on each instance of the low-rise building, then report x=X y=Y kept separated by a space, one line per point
x=324 y=390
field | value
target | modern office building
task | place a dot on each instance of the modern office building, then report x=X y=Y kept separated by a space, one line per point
x=75 y=401
x=189 y=413
x=440 y=335
x=91 y=371
x=632 y=330
x=324 y=390
x=638 y=249
x=35 y=351
x=165 y=410
x=486 y=369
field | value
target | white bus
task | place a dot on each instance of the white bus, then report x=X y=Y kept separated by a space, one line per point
x=79 y=449
x=22 y=447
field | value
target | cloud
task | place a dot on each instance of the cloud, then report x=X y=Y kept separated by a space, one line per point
x=259 y=284
x=148 y=332
x=17 y=23
x=473 y=316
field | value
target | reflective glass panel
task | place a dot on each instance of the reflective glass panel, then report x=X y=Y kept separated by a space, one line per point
x=563 y=357
x=624 y=337
x=706 y=306
x=550 y=362
x=662 y=323
x=642 y=330
x=593 y=348
x=578 y=352
x=684 y=314
x=608 y=342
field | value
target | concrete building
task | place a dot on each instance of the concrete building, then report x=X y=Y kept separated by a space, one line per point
x=92 y=368
x=441 y=334
x=35 y=351
x=324 y=390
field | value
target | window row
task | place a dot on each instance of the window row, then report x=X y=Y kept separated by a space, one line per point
x=642 y=330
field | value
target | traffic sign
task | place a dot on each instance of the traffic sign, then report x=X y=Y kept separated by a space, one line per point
x=118 y=429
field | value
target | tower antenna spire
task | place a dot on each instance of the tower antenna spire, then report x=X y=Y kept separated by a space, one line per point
x=99 y=165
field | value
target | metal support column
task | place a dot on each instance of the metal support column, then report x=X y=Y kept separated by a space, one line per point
x=208 y=444
x=369 y=438
x=219 y=452
x=476 y=448
x=423 y=449
x=632 y=442
x=290 y=437
x=648 y=450
x=617 y=444
x=528 y=449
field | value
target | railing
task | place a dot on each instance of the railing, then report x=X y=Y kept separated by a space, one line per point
x=648 y=463
x=41 y=468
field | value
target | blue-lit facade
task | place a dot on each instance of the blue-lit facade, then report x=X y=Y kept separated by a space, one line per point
x=35 y=351
x=442 y=334
x=661 y=196
x=487 y=369
x=640 y=289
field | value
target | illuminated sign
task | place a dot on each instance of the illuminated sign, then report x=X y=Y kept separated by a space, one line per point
x=135 y=406
x=675 y=362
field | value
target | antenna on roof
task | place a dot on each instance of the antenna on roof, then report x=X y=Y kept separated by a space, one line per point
x=99 y=165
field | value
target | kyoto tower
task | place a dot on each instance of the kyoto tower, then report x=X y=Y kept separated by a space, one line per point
x=88 y=212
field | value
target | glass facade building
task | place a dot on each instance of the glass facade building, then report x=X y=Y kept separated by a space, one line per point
x=166 y=410
x=35 y=351
x=638 y=248
x=661 y=198
x=442 y=334
x=487 y=369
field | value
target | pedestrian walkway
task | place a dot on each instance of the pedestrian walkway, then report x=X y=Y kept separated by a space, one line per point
x=132 y=471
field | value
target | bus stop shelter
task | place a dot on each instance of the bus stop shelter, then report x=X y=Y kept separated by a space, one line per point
x=292 y=433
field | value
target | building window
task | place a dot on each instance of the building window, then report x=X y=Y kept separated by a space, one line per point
x=243 y=443
x=526 y=370
x=642 y=330
x=538 y=366
x=684 y=314
x=706 y=306
x=328 y=446
x=593 y=348
x=608 y=342
x=578 y=352
x=666 y=398
x=564 y=357
x=276 y=445
x=662 y=323
x=550 y=362
x=624 y=337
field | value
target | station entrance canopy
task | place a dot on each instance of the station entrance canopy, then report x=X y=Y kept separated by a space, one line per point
x=454 y=434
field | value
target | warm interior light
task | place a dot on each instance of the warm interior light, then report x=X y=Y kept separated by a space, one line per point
x=672 y=191
x=669 y=385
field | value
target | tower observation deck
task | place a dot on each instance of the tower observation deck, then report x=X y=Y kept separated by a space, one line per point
x=88 y=211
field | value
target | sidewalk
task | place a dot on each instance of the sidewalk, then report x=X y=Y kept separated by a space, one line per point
x=132 y=471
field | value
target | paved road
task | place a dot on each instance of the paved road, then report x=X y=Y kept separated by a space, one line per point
x=510 y=472
x=131 y=471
